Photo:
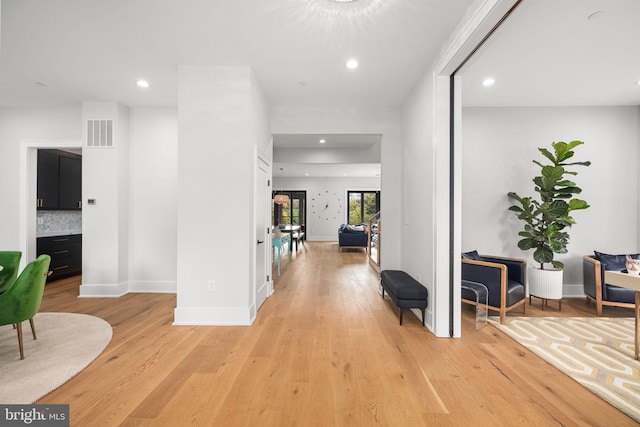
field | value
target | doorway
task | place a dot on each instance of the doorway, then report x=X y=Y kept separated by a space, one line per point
x=28 y=192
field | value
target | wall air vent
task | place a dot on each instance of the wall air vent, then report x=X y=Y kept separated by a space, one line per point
x=100 y=133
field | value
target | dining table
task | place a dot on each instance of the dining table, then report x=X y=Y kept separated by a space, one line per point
x=291 y=229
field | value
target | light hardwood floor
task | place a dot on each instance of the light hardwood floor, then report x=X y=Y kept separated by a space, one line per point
x=325 y=350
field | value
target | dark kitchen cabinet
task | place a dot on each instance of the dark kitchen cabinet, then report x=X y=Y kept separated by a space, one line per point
x=48 y=171
x=59 y=180
x=65 y=252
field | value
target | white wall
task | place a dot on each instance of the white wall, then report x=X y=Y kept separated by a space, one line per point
x=418 y=230
x=153 y=183
x=498 y=149
x=384 y=121
x=104 y=224
x=323 y=225
x=222 y=116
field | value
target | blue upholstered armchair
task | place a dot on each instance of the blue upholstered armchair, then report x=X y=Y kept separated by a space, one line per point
x=596 y=289
x=505 y=279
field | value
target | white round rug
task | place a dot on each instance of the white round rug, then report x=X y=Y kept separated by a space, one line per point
x=66 y=344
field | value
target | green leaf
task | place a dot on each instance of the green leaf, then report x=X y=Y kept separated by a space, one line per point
x=557 y=264
x=575 y=204
x=547 y=154
x=543 y=255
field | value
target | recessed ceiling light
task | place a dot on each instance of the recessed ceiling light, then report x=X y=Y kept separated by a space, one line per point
x=488 y=82
x=638 y=82
x=306 y=174
x=143 y=83
x=322 y=141
x=352 y=64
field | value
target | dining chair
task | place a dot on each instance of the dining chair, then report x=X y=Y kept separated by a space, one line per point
x=9 y=261
x=21 y=301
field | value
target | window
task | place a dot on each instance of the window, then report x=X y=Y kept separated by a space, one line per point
x=362 y=205
x=292 y=212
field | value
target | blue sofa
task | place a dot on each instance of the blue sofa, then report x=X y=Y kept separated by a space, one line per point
x=353 y=236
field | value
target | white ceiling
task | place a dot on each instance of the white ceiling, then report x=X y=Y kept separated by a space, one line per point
x=334 y=143
x=326 y=170
x=332 y=140
x=65 y=51
x=549 y=53
x=55 y=53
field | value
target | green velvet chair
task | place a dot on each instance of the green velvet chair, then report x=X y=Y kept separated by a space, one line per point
x=9 y=260
x=21 y=301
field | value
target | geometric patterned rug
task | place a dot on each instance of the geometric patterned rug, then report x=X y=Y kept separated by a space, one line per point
x=596 y=352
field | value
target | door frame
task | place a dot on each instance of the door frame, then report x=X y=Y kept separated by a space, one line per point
x=262 y=160
x=28 y=176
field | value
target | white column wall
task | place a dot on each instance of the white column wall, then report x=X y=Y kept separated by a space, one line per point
x=104 y=225
x=153 y=184
x=221 y=117
x=499 y=146
x=383 y=121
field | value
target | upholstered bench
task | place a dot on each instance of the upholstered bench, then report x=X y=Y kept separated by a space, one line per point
x=404 y=291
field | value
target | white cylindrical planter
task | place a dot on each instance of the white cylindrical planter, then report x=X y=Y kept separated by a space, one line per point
x=545 y=283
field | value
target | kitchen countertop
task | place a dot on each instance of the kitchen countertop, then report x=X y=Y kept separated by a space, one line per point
x=58 y=233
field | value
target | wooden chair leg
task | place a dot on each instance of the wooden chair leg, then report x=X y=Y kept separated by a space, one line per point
x=19 y=328
x=33 y=328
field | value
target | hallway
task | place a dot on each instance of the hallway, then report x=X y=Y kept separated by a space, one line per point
x=325 y=350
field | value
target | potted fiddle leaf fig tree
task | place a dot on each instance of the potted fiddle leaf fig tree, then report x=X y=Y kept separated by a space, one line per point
x=548 y=217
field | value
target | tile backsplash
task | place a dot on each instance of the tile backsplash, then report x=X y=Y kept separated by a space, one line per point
x=58 y=221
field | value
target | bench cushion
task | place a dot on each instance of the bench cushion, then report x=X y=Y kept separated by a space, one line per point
x=402 y=286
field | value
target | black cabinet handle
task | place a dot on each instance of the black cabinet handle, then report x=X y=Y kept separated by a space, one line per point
x=260 y=242
x=61 y=267
x=60 y=252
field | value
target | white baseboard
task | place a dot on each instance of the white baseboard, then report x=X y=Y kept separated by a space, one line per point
x=87 y=290
x=213 y=316
x=573 y=290
x=311 y=238
x=151 y=286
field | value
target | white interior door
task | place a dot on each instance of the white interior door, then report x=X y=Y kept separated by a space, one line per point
x=262 y=196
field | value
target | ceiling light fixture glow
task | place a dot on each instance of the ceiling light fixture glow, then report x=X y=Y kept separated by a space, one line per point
x=488 y=82
x=322 y=141
x=143 y=84
x=352 y=64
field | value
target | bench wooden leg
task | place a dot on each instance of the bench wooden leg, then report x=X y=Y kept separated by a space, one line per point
x=401 y=311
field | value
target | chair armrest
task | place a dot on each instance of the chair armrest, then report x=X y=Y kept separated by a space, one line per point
x=592 y=277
